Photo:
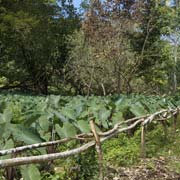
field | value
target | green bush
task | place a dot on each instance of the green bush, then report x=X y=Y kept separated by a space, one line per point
x=121 y=151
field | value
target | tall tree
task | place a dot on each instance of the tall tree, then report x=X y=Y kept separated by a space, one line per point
x=33 y=41
x=102 y=59
x=153 y=49
x=172 y=34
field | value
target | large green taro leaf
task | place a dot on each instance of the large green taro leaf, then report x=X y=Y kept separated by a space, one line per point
x=83 y=126
x=67 y=130
x=27 y=135
x=137 y=109
x=117 y=117
x=8 y=144
x=30 y=172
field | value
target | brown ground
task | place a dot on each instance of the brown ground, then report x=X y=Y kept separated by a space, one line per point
x=148 y=169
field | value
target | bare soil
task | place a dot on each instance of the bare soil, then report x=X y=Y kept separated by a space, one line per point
x=147 y=169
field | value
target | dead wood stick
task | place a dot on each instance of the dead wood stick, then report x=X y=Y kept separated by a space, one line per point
x=143 y=151
x=98 y=149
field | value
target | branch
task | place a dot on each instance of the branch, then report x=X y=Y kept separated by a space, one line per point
x=32 y=146
x=44 y=158
x=151 y=117
x=44 y=144
x=164 y=113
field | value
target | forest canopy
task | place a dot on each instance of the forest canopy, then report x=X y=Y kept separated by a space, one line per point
x=104 y=47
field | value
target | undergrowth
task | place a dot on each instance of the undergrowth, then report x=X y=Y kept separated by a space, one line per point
x=124 y=150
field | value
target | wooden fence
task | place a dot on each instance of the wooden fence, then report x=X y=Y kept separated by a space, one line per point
x=91 y=139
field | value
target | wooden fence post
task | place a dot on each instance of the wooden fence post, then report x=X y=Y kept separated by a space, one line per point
x=175 y=124
x=143 y=148
x=98 y=149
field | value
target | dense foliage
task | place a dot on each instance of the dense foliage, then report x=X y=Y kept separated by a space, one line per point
x=32 y=42
x=104 y=48
x=33 y=119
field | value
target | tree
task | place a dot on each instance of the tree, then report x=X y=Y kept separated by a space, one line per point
x=172 y=33
x=101 y=59
x=153 y=49
x=33 y=41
